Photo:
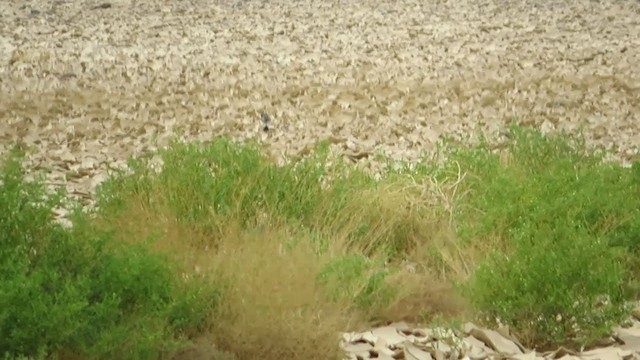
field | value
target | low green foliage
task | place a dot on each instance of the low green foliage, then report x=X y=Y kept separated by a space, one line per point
x=542 y=236
x=558 y=286
x=560 y=215
x=66 y=292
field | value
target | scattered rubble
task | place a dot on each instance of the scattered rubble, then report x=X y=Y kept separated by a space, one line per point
x=401 y=341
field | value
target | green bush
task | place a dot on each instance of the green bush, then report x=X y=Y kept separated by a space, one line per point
x=558 y=286
x=567 y=225
x=551 y=179
x=76 y=292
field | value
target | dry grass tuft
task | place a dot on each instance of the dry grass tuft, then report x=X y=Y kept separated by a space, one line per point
x=275 y=308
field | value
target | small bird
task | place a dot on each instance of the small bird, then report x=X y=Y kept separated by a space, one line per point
x=266 y=121
x=105 y=5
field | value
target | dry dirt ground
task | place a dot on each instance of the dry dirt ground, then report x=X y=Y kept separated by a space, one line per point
x=90 y=83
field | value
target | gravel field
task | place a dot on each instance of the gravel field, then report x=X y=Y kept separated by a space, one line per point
x=90 y=83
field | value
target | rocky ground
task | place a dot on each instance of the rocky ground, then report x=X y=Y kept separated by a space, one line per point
x=400 y=341
x=89 y=83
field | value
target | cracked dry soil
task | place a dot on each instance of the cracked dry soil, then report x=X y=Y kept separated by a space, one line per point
x=90 y=83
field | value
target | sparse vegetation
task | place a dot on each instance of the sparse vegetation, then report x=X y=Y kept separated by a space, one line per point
x=268 y=261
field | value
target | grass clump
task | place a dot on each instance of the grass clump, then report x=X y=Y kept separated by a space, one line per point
x=210 y=187
x=76 y=293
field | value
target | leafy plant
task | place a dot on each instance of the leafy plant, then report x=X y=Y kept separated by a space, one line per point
x=77 y=292
x=556 y=217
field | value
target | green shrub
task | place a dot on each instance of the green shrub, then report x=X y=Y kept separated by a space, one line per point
x=76 y=292
x=561 y=216
x=552 y=180
x=558 y=286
